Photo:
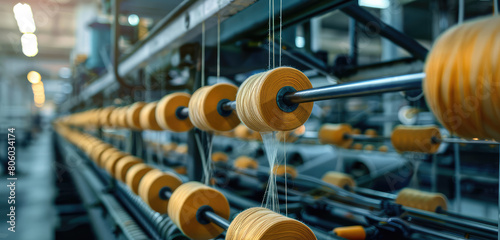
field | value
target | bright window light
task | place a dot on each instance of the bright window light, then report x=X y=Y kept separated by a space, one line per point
x=133 y=19
x=29 y=44
x=374 y=3
x=34 y=77
x=24 y=18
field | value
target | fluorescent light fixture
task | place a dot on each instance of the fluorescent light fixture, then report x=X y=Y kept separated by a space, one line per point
x=374 y=3
x=24 y=18
x=34 y=77
x=29 y=44
x=133 y=19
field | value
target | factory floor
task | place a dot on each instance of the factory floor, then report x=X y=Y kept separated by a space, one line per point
x=36 y=215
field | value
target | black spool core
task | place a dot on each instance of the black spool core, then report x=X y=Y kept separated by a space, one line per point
x=178 y=113
x=200 y=216
x=165 y=193
x=220 y=108
x=280 y=99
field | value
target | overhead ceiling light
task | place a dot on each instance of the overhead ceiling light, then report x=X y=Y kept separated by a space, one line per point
x=133 y=19
x=24 y=18
x=38 y=88
x=34 y=77
x=374 y=3
x=29 y=44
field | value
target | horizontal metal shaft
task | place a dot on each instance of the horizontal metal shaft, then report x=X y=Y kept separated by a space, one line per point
x=218 y=220
x=361 y=137
x=466 y=141
x=382 y=85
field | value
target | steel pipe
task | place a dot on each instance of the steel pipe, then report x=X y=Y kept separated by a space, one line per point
x=382 y=85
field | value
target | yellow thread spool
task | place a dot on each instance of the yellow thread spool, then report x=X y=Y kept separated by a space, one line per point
x=257 y=100
x=148 y=117
x=135 y=174
x=169 y=147
x=152 y=183
x=244 y=162
x=204 y=108
x=351 y=232
x=110 y=163
x=421 y=200
x=383 y=148
x=219 y=157
x=335 y=134
x=357 y=146
x=416 y=139
x=263 y=224
x=184 y=204
x=105 y=155
x=281 y=170
x=166 y=112
x=369 y=147
x=124 y=165
x=181 y=149
x=462 y=83
x=370 y=132
x=339 y=179
x=133 y=115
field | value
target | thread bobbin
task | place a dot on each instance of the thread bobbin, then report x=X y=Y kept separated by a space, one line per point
x=421 y=200
x=462 y=82
x=261 y=223
x=135 y=174
x=219 y=157
x=185 y=203
x=260 y=101
x=151 y=185
x=339 y=179
x=124 y=165
x=167 y=112
x=244 y=162
x=281 y=170
x=148 y=117
x=133 y=115
x=335 y=134
x=416 y=139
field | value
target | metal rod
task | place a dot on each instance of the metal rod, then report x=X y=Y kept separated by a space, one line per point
x=361 y=137
x=367 y=19
x=229 y=106
x=382 y=85
x=184 y=112
x=455 y=140
x=218 y=220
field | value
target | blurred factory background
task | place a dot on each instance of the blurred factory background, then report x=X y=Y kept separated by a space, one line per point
x=57 y=58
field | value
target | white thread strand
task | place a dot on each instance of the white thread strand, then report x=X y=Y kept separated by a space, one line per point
x=202 y=53
x=281 y=26
x=269 y=35
x=274 y=62
x=271 y=195
x=218 y=48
